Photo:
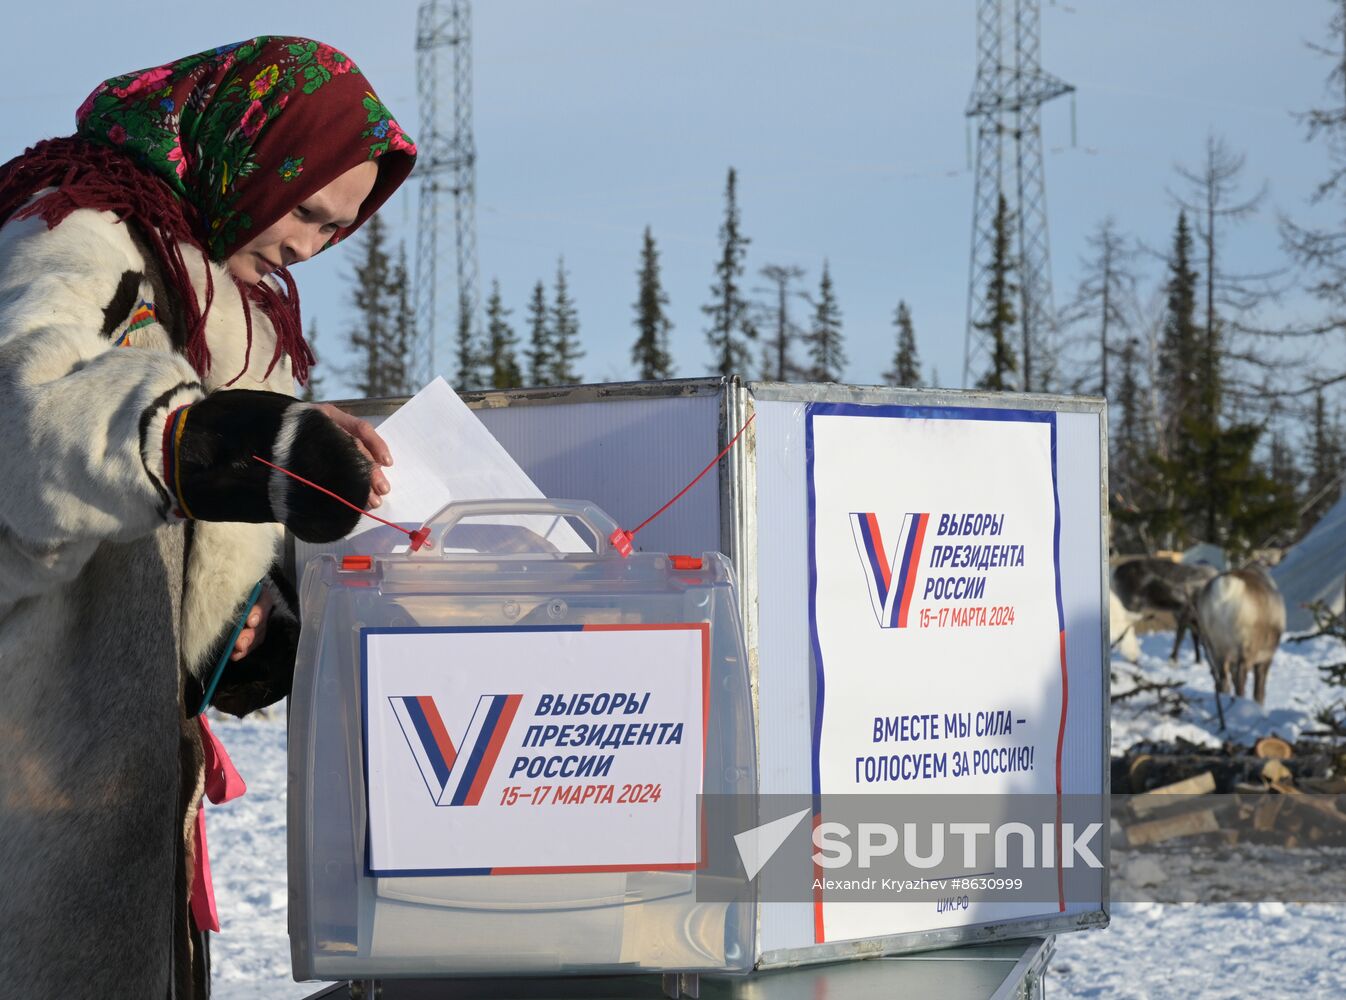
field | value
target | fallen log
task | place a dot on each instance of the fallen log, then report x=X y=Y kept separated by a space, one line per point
x=1160 y=798
x=1186 y=824
x=1275 y=772
x=1317 y=808
x=1229 y=770
x=1272 y=748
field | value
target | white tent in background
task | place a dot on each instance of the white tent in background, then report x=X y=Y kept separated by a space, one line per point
x=1315 y=570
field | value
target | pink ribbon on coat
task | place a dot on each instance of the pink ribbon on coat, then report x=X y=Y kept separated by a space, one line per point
x=223 y=783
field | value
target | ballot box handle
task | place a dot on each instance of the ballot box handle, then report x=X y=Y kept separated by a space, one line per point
x=598 y=522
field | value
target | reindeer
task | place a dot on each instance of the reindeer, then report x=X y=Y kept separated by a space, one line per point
x=1122 y=628
x=1148 y=583
x=1241 y=615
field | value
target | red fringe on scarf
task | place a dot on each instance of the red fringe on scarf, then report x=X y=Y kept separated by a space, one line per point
x=87 y=175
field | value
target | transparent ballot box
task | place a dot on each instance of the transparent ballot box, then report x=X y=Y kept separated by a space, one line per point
x=497 y=749
x=839 y=507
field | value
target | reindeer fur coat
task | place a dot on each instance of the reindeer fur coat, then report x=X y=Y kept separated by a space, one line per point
x=111 y=610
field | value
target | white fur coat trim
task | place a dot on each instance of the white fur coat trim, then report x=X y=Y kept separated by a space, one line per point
x=81 y=471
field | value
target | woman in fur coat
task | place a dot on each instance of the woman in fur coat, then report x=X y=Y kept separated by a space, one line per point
x=150 y=341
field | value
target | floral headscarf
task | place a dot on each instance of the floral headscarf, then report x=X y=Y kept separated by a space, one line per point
x=245 y=132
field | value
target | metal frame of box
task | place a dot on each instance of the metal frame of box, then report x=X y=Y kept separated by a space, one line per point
x=738 y=504
x=1018 y=967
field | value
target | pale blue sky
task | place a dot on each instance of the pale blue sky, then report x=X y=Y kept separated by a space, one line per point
x=845 y=121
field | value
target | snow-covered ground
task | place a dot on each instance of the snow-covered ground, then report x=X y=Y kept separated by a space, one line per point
x=251 y=954
x=1264 y=950
x=1151 y=950
x=1295 y=693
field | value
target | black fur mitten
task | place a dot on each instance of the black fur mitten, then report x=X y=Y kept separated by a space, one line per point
x=209 y=469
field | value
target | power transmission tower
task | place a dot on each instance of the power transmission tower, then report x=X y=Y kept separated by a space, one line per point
x=446 y=163
x=1010 y=89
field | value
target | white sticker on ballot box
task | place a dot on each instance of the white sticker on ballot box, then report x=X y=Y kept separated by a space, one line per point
x=507 y=751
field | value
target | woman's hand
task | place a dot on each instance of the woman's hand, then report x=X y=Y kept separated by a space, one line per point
x=254 y=631
x=368 y=441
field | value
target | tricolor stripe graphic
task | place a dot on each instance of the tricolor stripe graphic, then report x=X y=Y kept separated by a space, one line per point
x=891 y=578
x=913 y=527
x=455 y=776
x=869 y=540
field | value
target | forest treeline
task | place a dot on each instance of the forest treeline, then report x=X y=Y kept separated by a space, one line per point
x=1224 y=424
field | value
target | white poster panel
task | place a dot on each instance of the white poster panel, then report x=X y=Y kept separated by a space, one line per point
x=494 y=751
x=936 y=619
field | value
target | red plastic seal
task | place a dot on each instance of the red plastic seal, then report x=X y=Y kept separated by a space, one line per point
x=621 y=541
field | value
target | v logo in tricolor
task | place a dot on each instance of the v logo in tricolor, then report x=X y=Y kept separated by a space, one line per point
x=891 y=578
x=456 y=776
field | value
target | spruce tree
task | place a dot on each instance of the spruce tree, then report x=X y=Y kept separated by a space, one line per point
x=402 y=332
x=906 y=370
x=540 y=341
x=1205 y=482
x=565 y=332
x=1180 y=355
x=1173 y=475
x=731 y=328
x=777 y=362
x=466 y=353
x=1229 y=499
x=999 y=320
x=371 y=336
x=1129 y=450
x=312 y=389
x=826 y=351
x=501 y=361
x=650 y=352
x=1129 y=434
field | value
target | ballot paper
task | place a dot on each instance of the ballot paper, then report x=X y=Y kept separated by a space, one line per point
x=442 y=453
